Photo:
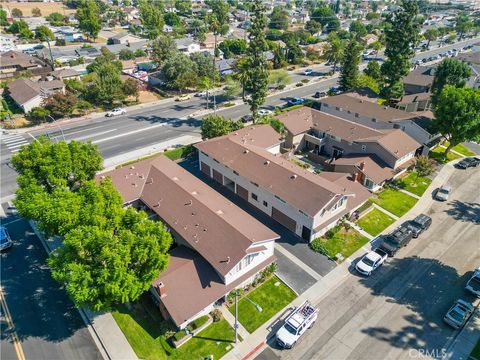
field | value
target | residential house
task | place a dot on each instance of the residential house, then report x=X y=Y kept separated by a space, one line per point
x=415 y=102
x=366 y=111
x=373 y=156
x=218 y=246
x=28 y=94
x=7 y=42
x=419 y=80
x=225 y=67
x=187 y=45
x=65 y=74
x=124 y=38
x=369 y=39
x=15 y=61
x=248 y=163
x=473 y=60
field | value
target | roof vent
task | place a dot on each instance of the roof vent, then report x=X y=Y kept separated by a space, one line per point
x=267 y=162
x=228 y=259
x=102 y=177
x=194 y=192
x=293 y=177
x=219 y=212
x=132 y=167
x=134 y=184
x=205 y=230
x=150 y=181
x=189 y=203
x=157 y=204
x=194 y=213
x=175 y=178
x=126 y=176
x=246 y=151
x=141 y=176
x=185 y=227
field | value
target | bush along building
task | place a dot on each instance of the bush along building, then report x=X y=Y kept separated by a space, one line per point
x=218 y=247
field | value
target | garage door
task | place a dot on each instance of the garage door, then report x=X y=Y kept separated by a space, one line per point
x=217 y=176
x=283 y=219
x=205 y=168
x=242 y=192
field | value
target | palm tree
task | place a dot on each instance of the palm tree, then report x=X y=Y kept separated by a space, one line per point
x=242 y=69
x=334 y=51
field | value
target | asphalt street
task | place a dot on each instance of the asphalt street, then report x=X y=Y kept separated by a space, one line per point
x=154 y=125
x=44 y=321
x=397 y=313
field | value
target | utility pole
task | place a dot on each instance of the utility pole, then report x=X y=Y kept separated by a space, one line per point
x=213 y=73
x=236 y=316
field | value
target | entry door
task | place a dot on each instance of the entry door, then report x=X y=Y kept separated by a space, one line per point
x=306 y=233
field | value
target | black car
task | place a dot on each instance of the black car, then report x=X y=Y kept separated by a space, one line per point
x=389 y=244
x=418 y=225
x=403 y=235
x=468 y=162
x=320 y=94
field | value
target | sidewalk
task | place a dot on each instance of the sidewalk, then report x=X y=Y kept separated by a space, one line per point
x=255 y=343
x=106 y=334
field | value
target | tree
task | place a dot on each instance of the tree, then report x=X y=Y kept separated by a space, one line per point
x=172 y=19
x=242 y=69
x=36 y=12
x=3 y=18
x=279 y=60
x=43 y=33
x=358 y=28
x=350 y=61
x=402 y=36
x=257 y=76
x=366 y=81
x=151 y=16
x=462 y=24
x=107 y=86
x=334 y=51
x=430 y=35
x=232 y=87
x=205 y=83
x=449 y=72
x=216 y=125
x=204 y=65
x=56 y=19
x=424 y=166
x=17 y=26
x=279 y=79
x=184 y=7
x=293 y=52
x=457 y=115
x=278 y=18
x=107 y=57
x=313 y=26
x=38 y=114
x=180 y=72
x=139 y=53
x=231 y=47
x=126 y=54
x=163 y=48
x=89 y=20
x=326 y=17
x=26 y=34
x=373 y=70
x=60 y=105
x=17 y=13
x=130 y=88
x=221 y=9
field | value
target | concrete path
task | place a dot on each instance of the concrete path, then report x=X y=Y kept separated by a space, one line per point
x=409 y=193
x=453 y=151
x=360 y=230
x=231 y=320
x=385 y=211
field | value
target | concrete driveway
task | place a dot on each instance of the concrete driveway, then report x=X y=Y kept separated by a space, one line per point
x=298 y=266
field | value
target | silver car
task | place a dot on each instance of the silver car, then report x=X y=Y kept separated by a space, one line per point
x=443 y=193
x=5 y=240
x=458 y=314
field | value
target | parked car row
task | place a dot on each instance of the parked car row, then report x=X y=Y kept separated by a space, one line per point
x=468 y=162
x=392 y=242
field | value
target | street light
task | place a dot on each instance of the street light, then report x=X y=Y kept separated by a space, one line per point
x=58 y=126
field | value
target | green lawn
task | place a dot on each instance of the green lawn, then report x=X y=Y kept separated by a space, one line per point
x=345 y=242
x=375 y=222
x=414 y=184
x=437 y=154
x=394 y=201
x=145 y=330
x=272 y=296
x=476 y=351
x=462 y=149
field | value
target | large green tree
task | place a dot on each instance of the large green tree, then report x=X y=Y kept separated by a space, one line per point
x=43 y=33
x=350 y=61
x=334 y=50
x=457 y=115
x=216 y=125
x=107 y=85
x=326 y=17
x=151 y=16
x=180 y=72
x=430 y=35
x=463 y=24
x=163 y=48
x=59 y=104
x=278 y=18
x=402 y=36
x=256 y=83
x=89 y=19
x=449 y=72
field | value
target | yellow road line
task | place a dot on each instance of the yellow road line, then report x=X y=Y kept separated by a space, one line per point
x=16 y=341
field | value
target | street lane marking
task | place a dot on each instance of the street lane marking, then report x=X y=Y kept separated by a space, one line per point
x=93 y=135
x=129 y=133
x=66 y=132
x=33 y=137
x=16 y=342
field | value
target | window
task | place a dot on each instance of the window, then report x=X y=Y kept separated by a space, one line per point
x=247 y=260
x=356 y=115
x=254 y=197
x=265 y=203
x=337 y=108
x=364 y=147
x=238 y=267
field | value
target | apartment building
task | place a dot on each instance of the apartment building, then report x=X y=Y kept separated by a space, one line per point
x=218 y=246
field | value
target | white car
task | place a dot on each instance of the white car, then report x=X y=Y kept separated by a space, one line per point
x=295 y=101
x=458 y=314
x=308 y=72
x=115 y=112
x=301 y=319
x=201 y=94
x=371 y=261
x=264 y=112
x=443 y=193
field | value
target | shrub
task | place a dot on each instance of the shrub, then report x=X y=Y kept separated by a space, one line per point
x=216 y=315
x=197 y=323
x=269 y=270
x=318 y=246
x=179 y=335
x=228 y=104
x=305 y=81
x=299 y=84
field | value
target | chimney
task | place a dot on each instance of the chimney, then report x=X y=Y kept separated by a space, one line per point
x=161 y=290
x=356 y=176
x=362 y=165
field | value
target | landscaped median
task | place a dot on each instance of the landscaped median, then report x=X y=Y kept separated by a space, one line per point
x=148 y=334
x=272 y=296
x=339 y=242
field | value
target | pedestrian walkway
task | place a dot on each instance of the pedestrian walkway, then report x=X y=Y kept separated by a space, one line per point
x=360 y=230
x=385 y=211
x=409 y=193
x=255 y=342
x=14 y=142
x=227 y=315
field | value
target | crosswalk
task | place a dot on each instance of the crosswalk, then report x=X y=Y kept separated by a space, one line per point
x=14 y=142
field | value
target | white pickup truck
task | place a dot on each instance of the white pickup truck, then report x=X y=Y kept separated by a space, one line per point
x=301 y=319
x=473 y=285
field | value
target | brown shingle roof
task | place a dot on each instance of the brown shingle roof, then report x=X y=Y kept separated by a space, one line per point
x=63 y=73
x=257 y=135
x=422 y=76
x=374 y=168
x=191 y=284
x=219 y=230
x=17 y=58
x=22 y=90
x=299 y=188
x=355 y=104
x=297 y=121
x=397 y=143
